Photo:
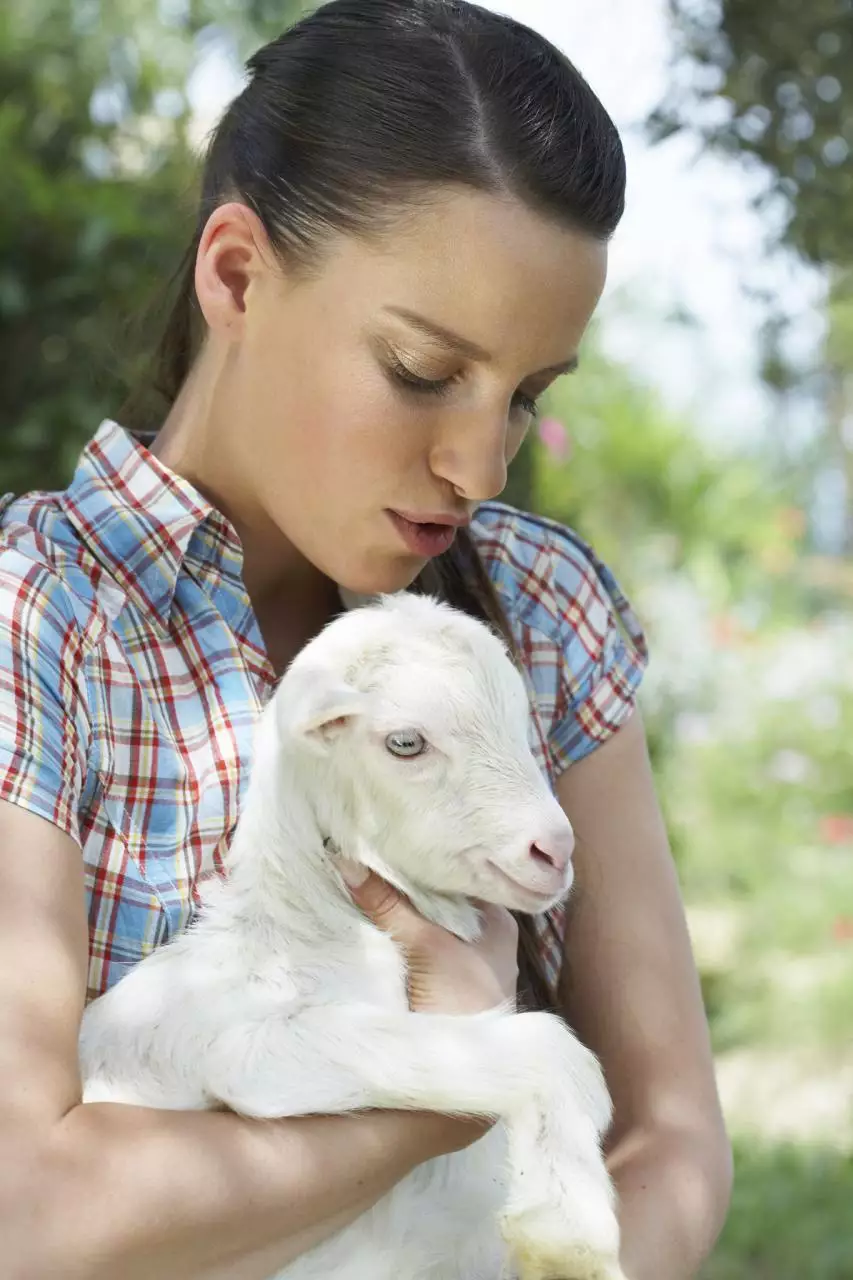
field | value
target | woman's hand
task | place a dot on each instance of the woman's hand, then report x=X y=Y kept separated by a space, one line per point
x=445 y=974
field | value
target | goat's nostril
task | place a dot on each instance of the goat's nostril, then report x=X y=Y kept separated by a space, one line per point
x=557 y=856
x=539 y=855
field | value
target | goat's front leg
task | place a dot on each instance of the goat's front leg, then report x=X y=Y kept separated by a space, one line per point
x=527 y=1069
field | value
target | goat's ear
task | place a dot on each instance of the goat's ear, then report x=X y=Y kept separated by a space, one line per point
x=318 y=711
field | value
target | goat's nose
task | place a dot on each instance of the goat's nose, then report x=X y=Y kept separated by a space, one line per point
x=554 y=852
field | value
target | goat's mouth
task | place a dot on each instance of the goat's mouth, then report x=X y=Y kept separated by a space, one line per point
x=526 y=898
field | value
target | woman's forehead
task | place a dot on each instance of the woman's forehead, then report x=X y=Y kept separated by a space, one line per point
x=486 y=268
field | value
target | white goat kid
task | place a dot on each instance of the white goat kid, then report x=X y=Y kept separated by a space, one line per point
x=399 y=736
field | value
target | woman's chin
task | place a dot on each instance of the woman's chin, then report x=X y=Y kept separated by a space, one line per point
x=358 y=588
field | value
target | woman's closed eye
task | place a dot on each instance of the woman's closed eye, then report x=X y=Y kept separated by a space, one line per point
x=412 y=383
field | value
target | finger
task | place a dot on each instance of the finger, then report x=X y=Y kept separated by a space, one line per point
x=496 y=917
x=354 y=873
x=378 y=899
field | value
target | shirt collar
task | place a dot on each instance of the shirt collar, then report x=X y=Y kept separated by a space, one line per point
x=139 y=519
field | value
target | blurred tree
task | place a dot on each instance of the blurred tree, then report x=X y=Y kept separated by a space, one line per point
x=96 y=204
x=642 y=486
x=837 y=374
x=772 y=81
x=91 y=189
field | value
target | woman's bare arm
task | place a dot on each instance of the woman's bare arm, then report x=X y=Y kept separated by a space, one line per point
x=631 y=992
x=92 y=1192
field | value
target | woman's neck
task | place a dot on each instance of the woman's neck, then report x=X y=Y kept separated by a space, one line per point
x=291 y=598
x=292 y=615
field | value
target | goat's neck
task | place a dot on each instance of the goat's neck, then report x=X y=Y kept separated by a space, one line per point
x=278 y=867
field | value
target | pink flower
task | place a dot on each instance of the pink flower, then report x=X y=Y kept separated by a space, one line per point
x=555 y=438
x=836 y=828
x=727 y=631
x=842 y=929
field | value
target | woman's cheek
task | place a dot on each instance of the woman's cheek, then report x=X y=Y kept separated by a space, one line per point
x=515 y=437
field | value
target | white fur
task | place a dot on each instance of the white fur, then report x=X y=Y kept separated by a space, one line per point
x=283 y=1000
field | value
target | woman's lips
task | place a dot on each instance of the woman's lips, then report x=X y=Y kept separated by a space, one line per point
x=425 y=538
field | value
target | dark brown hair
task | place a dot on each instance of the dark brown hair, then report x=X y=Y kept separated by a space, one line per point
x=351 y=116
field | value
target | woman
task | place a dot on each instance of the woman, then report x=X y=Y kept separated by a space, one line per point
x=401 y=239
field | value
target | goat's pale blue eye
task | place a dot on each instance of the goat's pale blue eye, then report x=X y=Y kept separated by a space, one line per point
x=406 y=742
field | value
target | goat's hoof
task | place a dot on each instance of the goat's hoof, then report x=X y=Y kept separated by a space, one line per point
x=543 y=1247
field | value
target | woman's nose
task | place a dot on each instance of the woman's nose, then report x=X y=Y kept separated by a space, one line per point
x=471 y=455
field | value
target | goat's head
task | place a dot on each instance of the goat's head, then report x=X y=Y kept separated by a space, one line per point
x=412 y=721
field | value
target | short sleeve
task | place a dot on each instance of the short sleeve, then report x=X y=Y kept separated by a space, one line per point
x=603 y=651
x=579 y=639
x=44 y=727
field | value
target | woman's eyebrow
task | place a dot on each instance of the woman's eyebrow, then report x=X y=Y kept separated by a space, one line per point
x=463 y=345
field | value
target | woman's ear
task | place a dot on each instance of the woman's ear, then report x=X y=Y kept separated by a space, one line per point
x=233 y=253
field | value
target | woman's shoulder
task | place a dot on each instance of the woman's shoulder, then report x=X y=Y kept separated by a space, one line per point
x=44 y=567
x=43 y=649
x=34 y=550
x=579 y=639
x=548 y=577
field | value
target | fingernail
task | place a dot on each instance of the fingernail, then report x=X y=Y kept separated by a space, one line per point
x=354 y=873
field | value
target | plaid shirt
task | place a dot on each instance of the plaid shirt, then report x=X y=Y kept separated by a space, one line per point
x=132 y=670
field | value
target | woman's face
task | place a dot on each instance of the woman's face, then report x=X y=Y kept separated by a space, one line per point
x=401 y=378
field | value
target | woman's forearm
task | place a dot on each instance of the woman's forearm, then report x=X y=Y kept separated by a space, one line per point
x=674 y=1189
x=142 y=1194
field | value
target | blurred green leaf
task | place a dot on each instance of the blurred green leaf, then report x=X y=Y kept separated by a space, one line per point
x=772 y=81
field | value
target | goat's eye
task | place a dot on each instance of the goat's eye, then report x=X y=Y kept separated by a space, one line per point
x=406 y=742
